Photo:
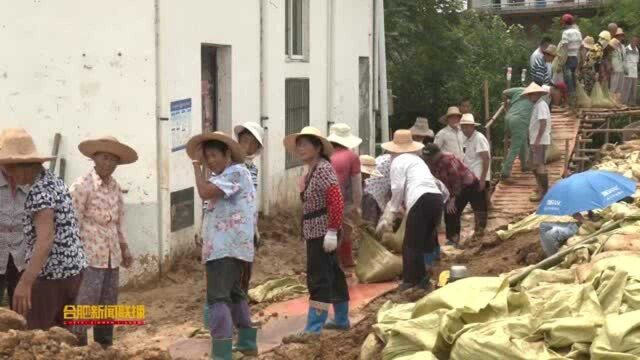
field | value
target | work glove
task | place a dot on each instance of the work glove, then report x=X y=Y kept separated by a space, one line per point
x=330 y=242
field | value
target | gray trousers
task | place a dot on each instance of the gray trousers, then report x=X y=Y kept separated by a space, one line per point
x=99 y=287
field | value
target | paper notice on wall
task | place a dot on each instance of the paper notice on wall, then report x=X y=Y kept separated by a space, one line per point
x=180 y=124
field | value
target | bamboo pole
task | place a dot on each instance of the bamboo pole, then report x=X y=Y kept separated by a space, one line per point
x=610 y=130
x=557 y=258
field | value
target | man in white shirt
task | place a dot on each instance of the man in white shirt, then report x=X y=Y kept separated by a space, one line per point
x=539 y=136
x=414 y=188
x=477 y=157
x=630 y=88
x=450 y=138
x=572 y=41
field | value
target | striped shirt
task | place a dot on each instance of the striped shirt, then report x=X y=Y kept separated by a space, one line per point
x=540 y=71
x=253 y=171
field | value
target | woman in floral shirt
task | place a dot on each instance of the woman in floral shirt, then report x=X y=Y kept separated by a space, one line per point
x=228 y=231
x=55 y=256
x=323 y=207
x=97 y=199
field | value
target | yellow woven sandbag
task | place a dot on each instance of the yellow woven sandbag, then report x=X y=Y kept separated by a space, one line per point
x=619 y=338
x=370 y=348
x=553 y=154
x=375 y=263
x=598 y=97
x=583 y=100
x=629 y=242
x=277 y=289
x=393 y=241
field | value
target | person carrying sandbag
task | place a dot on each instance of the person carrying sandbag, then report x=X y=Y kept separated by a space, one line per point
x=414 y=188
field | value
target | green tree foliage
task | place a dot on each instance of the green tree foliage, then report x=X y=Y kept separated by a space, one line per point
x=439 y=54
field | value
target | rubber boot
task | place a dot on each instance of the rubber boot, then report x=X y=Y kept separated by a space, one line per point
x=221 y=349
x=247 y=341
x=315 y=320
x=341 y=321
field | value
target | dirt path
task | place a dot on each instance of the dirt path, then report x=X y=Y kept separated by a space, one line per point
x=174 y=305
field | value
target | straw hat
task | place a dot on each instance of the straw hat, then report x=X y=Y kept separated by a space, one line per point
x=468 y=119
x=290 y=140
x=605 y=35
x=551 y=50
x=534 y=88
x=619 y=31
x=17 y=147
x=367 y=164
x=341 y=134
x=451 y=111
x=110 y=145
x=194 y=145
x=254 y=128
x=588 y=42
x=421 y=128
x=402 y=143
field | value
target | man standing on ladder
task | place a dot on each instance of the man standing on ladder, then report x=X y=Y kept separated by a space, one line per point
x=517 y=121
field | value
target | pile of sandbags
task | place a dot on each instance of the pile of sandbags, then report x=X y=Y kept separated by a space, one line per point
x=552 y=314
x=277 y=290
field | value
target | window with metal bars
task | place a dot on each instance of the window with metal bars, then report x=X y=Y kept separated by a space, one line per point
x=296 y=112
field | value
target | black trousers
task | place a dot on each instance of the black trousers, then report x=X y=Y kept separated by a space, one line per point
x=478 y=199
x=224 y=281
x=420 y=236
x=9 y=280
x=326 y=281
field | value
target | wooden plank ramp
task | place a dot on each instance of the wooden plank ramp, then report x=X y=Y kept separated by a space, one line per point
x=514 y=199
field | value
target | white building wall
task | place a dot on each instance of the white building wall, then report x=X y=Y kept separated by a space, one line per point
x=353 y=26
x=87 y=69
x=184 y=27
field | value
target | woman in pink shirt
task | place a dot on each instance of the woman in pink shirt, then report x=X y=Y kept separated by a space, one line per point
x=346 y=164
x=99 y=206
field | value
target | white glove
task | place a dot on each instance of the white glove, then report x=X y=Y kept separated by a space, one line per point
x=330 y=241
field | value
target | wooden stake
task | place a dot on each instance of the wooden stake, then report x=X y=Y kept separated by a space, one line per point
x=56 y=148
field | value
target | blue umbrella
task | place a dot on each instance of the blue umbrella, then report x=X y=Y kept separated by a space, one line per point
x=593 y=189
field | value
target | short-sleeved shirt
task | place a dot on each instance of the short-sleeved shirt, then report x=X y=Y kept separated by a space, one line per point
x=453 y=173
x=520 y=107
x=450 y=140
x=473 y=146
x=573 y=38
x=253 y=171
x=540 y=112
x=346 y=164
x=67 y=257
x=12 y=240
x=229 y=222
x=379 y=187
x=99 y=207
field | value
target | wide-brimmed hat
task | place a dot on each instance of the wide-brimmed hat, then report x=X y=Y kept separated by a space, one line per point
x=254 y=128
x=421 y=128
x=619 y=31
x=341 y=134
x=451 y=111
x=194 y=145
x=551 y=50
x=290 y=140
x=110 y=145
x=468 y=119
x=588 y=42
x=368 y=164
x=534 y=88
x=605 y=35
x=402 y=143
x=17 y=147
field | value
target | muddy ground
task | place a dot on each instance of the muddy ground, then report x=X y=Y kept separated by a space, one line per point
x=174 y=304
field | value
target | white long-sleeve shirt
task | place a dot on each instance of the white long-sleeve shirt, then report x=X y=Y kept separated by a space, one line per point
x=573 y=38
x=410 y=179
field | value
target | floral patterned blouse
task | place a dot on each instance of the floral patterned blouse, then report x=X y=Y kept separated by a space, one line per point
x=100 y=210
x=229 y=222
x=67 y=257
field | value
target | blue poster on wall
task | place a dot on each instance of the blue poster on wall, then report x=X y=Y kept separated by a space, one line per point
x=180 y=124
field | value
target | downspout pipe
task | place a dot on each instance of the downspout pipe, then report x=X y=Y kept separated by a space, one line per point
x=382 y=58
x=161 y=180
x=330 y=62
x=264 y=110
